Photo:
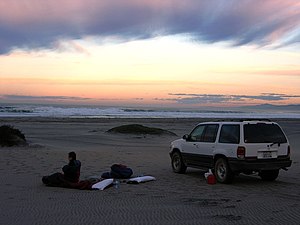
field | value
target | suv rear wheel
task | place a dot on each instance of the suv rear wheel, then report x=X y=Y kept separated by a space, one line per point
x=223 y=172
x=269 y=175
x=177 y=163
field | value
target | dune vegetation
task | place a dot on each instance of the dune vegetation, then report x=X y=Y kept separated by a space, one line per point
x=10 y=136
x=139 y=129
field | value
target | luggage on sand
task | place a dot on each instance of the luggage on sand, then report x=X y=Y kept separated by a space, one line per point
x=118 y=171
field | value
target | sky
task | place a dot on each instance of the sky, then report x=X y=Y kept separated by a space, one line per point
x=171 y=53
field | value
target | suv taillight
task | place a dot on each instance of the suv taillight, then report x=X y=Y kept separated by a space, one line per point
x=289 y=151
x=241 y=152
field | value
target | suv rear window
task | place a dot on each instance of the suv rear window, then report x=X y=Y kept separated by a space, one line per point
x=230 y=134
x=263 y=133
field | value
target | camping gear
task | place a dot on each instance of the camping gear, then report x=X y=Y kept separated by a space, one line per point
x=118 y=171
x=103 y=184
x=210 y=177
x=137 y=180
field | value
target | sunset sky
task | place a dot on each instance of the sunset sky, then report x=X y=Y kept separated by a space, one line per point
x=150 y=53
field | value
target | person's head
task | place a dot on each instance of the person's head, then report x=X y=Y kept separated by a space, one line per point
x=72 y=156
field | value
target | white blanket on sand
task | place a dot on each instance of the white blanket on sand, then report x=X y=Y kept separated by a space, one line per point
x=137 y=180
x=102 y=184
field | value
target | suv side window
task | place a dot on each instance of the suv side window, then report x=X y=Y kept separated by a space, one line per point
x=197 y=133
x=205 y=133
x=230 y=134
x=210 y=133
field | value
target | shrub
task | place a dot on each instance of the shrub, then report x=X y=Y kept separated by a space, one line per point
x=10 y=136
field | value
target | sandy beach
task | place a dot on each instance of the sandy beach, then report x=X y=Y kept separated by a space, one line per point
x=171 y=199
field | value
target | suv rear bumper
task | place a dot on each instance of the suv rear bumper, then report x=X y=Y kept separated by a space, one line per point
x=258 y=164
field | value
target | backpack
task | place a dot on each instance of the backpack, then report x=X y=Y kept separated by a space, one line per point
x=118 y=171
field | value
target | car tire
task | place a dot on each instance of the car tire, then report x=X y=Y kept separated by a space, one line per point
x=223 y=172
x=269 y=175
x=177 y=163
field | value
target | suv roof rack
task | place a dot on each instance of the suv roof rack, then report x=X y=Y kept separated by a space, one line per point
x=243 y=119
x=267 y=120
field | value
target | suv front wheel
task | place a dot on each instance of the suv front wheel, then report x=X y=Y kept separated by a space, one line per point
x=223 y=172
x=177 y=163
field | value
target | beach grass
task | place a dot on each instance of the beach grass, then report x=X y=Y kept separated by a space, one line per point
x=10 y=136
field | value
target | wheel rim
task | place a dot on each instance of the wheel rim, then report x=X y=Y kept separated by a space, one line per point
x=176 y=162
x=221 y=171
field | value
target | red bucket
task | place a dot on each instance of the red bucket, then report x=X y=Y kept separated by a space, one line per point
x=211 y=179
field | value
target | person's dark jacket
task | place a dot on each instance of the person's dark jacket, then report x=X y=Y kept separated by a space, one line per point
x=72 y=171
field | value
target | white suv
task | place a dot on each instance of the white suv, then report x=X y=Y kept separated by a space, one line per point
x=233 y=147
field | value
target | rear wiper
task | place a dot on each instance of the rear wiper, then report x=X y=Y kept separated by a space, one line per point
x=274 y=143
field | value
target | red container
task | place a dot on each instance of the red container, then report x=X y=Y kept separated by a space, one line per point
x=211 y=179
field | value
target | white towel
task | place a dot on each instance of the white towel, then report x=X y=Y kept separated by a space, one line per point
x=137 y=180
x=102 y=184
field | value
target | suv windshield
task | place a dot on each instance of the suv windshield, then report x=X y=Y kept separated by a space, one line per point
x=263 y=133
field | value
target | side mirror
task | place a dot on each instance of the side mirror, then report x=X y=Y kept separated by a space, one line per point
x=186 y=137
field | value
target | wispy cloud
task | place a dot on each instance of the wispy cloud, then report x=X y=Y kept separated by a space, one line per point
x=295 y=72
x=39 y=98
x=218 y=98
x=41 y=24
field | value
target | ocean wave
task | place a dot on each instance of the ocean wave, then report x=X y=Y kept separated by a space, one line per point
x=116 y=112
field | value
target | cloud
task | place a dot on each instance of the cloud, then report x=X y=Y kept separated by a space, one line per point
x=41 y=98
x=40 y=24
x=291 y=72
x=216 y=99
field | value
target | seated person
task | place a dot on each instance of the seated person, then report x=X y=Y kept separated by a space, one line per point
x=69 y=177
x=72 y=170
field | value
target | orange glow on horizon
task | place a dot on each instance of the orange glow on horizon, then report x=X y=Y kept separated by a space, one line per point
x=146 y=72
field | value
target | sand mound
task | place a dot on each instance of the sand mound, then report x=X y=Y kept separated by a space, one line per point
x=139 y=129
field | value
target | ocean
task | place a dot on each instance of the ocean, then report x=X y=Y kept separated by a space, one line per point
x=60 y=111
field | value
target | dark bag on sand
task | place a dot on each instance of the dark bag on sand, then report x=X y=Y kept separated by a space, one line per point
x=58 y=180
x=118 y=171
x=54 y=180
